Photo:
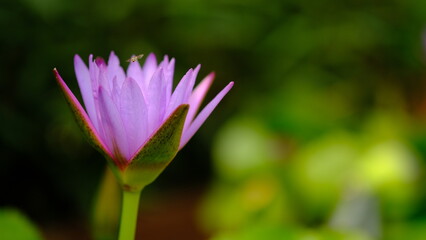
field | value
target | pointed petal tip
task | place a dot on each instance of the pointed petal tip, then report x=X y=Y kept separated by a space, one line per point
x=181 y=108
x=204 y=114
x=151 y=57
x=57 y=75
x=208 y=79
x=77 y=58
x=79 y=64
x=112 y=55
x=184 y=107
x=229 y=87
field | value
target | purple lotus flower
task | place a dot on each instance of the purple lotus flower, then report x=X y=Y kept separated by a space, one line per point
x=134 y=118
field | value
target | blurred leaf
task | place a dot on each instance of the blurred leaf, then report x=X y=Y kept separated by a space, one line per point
x=278 y=232
x=415 y=230
x=15 y=226
x=322 y=170
x=310 y=102
x=260 y=199
x=242 y=147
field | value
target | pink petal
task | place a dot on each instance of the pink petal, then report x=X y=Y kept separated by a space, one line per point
x=168 y=68
x=168 y=72
x=116 y=90
x=156 y=100
x=103 y=79
x=133 y=111
x=204 y=114
x=94 y=74
x=191 y=84
x=114 y=131
x=85 y=84
x=197 y=97
x=81 y=115
x=180 y=92
x=149 y=68
x=115 y=70
x=135 y=71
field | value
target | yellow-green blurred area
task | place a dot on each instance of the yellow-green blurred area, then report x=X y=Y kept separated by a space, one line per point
x=323 y=136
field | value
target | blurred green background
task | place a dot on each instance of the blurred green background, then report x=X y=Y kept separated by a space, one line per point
x=322 y=137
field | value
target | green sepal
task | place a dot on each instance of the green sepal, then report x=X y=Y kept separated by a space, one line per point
x=88 y=131
x=157 y=153
x=84 y=122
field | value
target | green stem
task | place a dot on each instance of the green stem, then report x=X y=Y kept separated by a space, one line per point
x=129 y=215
